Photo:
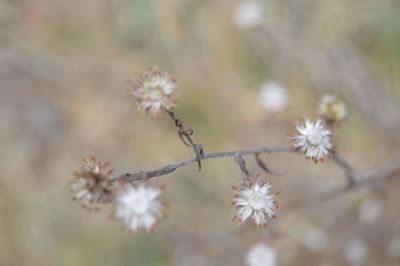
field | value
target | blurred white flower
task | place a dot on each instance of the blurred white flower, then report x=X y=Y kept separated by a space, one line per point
x=155 y=90
x=393 y=248
x=253 y=200
x=261 y=255
x=248 y=14
x=273 y=97
x=91 y=186
x=356 y=252
x=315 y=239
x=313 y=139
x=371 y=210
x=138 y=207
x=326 y=263
x=331 y=109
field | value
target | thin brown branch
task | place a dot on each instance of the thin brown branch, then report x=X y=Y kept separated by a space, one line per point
x=388 y=170
x=172 y=167
x=346 y=168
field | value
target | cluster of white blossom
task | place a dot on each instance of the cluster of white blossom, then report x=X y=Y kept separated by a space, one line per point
x=137 y=203
x=136 y=206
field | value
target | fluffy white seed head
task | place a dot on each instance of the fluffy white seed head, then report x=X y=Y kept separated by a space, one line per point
x=248 y=14
x=393 y=248
x=356 y=252
x=138 y=207
x=154 y=91
x=315 y=239
x=261 y=255
x=253 y=200
x=313 y=139
x=273 y=97
x=371 y=210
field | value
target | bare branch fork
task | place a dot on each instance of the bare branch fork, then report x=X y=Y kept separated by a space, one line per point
x=165 y=170
x=388 y=170
x=172 y=167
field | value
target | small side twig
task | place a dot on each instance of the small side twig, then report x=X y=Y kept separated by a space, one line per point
x=185 y=134
x=348 y=171
x=242 y=165
x=263 y=165
x=389 y=169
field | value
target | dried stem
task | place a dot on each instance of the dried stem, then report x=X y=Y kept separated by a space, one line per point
x=346 y=167
x=264 y=166
x=242 y=165
x=172 y=167
x=388 y=170
x=185 y=135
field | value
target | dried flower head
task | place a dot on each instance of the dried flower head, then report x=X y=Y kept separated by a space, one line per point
x=261 y=255
x=138 y=206
x=91 y=185
x=313 y=139
x=155 y=90
x=254 y=200
x=332 y=110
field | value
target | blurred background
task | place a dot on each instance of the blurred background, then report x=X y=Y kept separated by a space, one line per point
x=246 y=71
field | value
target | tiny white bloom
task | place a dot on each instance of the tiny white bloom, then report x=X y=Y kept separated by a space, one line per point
x=273 y=97
x=261 y=255
x=248 y=14
x=138 y=207
x=253 y=200
x=155 y=90
x=313 y=139
x=370 y=210
x=393 y=248
x=316 y=239
x=356 y=252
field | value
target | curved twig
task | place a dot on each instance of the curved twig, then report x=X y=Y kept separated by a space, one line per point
x=172 y=167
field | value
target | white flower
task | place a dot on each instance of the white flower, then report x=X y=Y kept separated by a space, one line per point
x=370 y=210
x=155 y=90
x=356 y=252
x=261 y=255
x=253 y=200
x=138 y=207
x=248 y=14
x=331 y=109
x=393 y=248
x=273 y=97
x=313 y=139
x=91 y=185
x=315 y=239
